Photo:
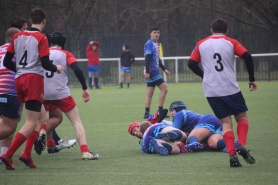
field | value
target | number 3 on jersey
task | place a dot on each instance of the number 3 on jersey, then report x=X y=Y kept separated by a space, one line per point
x=23 y=60
x=219 y=67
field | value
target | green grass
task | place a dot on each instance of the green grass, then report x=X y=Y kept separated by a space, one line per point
x=105 y=119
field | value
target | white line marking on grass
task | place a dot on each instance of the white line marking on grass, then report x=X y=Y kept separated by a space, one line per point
x=115 y=173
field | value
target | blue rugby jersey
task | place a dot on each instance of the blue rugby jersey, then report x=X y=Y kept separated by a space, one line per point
x=152 y=48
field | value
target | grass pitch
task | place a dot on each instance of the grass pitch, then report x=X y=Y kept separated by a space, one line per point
x=105 y=119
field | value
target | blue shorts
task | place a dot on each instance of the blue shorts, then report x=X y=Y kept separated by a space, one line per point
x=9 y=106
x=93 y=70
x=156 y=81
x=210 y=122
x=125 y=69
x=227 y=105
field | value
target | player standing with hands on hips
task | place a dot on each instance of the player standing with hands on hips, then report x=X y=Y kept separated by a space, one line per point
x=152 y=62
x=217 y=53
x=32 y=57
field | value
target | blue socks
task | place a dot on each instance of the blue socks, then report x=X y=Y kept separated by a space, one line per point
x=192 y=139
x=56 y=138
x=221 y=144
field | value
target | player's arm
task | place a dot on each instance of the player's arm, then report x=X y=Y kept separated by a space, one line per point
x=147 y=62
x=161 y=65
x=47 y=65
x=247 y=57
x=79 y=74
x=193 y=65
x=97 y=43
x=8 y=63
x=178 y=120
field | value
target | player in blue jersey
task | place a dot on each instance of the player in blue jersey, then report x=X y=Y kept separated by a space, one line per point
x=152 y=76
x=200 y=128
x=152 y=142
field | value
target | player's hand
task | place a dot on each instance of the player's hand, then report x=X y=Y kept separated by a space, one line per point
x=147 y=76
x=86 y=95
x=167 y=72
x=59 y=69
x=91 y=42
x=253 y=86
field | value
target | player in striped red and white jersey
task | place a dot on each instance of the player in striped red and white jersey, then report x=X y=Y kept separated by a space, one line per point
x=217 y=53
x=10 y=108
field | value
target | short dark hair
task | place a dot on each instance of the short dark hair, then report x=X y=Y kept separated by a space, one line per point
x=37 y=15
x=18 y=22
x=58 y=38
x=219 y=26
x=154 y=29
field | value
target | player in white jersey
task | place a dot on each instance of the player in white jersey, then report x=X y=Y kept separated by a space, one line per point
x=10 y=108
x=57 y=94
x=217 y=53
x=32 y=54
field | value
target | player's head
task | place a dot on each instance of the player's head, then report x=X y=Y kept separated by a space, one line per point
x=155 y=33
x=19 y=23
x=125 y=47
x=219 y=26
x=58 y=38
x=37 y=16
x=176 y=106
x=144 y=126
x=10 y=33
x=133 y=129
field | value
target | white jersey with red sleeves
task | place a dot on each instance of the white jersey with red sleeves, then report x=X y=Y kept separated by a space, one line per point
x=7 y=77
x=55 y=85
x=217 y=56
x=28 y=47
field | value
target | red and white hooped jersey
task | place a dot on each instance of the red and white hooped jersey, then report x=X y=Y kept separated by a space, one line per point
x=7 y=77
x=29 y=47
x=217 y=56
x=55 y=85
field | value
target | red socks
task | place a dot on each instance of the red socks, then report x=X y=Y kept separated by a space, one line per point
x=19 y=139
x=30 y=142
x=242 y=131
x=50 y=143
x=44 y=127
x=229 y=138
x=84 y=148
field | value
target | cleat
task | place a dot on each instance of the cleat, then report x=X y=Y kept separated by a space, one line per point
x=90 y=156
x=170 y=135
x=7 y=161
x=153 y=118
x=195 y=146
x=53 y=149
x=234 y=162
x=241 y=150
x=120 y=87
x=40 y=143
x=65 y=143
x=27 y=160
x=159 y=148
x=146 y=115
x=183 y=150
x=162 y=114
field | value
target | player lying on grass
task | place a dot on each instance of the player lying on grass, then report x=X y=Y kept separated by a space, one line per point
x=204 y=130
x=200 y=128
x=161 y=138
